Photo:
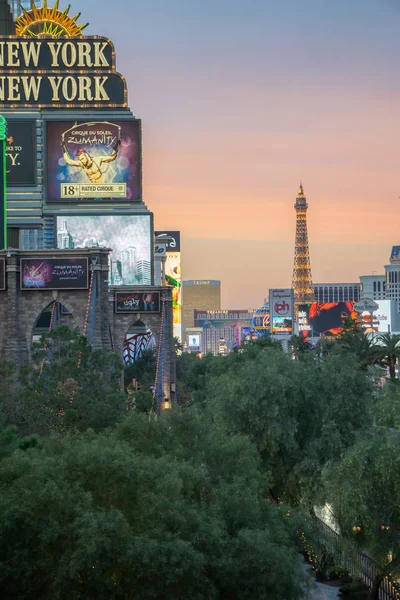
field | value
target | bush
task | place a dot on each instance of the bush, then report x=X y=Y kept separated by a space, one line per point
x=336 y=572
x=354 y=590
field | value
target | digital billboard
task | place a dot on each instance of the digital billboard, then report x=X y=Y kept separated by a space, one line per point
x=326 y=319
x=129 y=237
x=380 y=319
x=143 y=301
x=21 y=152
x=194 y=341
x=282 y=311
x=93 y=161
x=282 y=325
x=54 y=273
x=173 y=276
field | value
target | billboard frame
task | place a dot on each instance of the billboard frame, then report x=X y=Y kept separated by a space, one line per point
x=116 y=214
x=103 y=202
x=44 y=289
x=145 y=290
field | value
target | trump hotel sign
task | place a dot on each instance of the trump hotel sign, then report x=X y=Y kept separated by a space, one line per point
x=54 y=73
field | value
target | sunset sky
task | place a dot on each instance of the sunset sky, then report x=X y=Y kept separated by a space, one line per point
x=242 y=99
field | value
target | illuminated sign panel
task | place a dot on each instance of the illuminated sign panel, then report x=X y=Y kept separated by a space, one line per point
x=129 y=237
x=325 y=319
x=281 y=309
x=62 y=72
x=54 y=273
x=138 y=302
x=93 y=161
x=21 y=152
x=173 y=276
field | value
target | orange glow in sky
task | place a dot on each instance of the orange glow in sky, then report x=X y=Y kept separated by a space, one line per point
x=240 y=101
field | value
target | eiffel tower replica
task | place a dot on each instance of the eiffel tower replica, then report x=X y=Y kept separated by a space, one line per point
x=302 y=280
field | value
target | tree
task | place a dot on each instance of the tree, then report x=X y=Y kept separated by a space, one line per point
x=298 y=413
x=169 y=508
x=363 y=489
x=70 y=386
x=299 y=346
x=388 y=351
x=356 y=342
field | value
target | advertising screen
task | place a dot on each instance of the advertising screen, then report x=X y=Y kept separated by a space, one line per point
x=324 y=319
x=281 y=309
x=54 y=273
x=21 y=152
x=93 y=161
x=173 y=276
x=194 y=341
x=143 y=301
x=282 y=325
x=381 y=318
x=129 y=237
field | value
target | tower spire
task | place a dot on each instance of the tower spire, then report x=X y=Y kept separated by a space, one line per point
x=302 y=279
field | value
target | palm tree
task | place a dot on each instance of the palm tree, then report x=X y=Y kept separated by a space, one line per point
x=362 y=346
x=299 y=346
x=388 y=351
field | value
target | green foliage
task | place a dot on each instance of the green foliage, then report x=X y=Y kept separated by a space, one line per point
x=387 y=412
x=70 y=387
x=363 y=489
x=169 y=508
x=300 y=414
x=143 y=370
x=336 y=572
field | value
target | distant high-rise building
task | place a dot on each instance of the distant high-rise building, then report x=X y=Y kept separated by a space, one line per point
x=373 y=287
x=18 y=6
x=116 y=272
x=392 y=273
x=201 y=294
x=302 y=279
x=7 y=25
x=128 y=262
x=143 y=272
x=336 y=292
x=64 y=238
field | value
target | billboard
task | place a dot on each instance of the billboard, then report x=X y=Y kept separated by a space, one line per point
x=173 y=276
x=281 y=311
x=193 y=339
x=54 y=273
x=282 y=325
x=21 y=152
x=93 y=161
x=138 y=302
x=326 y=319
x=129 y=237
x=380 y=319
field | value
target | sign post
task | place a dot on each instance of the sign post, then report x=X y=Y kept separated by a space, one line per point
x=3 y=183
